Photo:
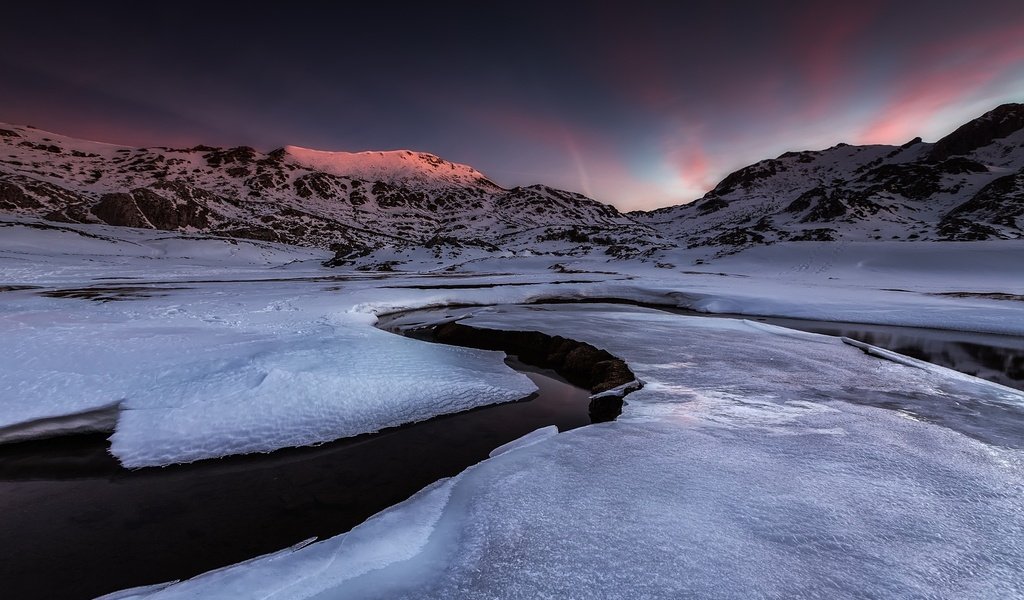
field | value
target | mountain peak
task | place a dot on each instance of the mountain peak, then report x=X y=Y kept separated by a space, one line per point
x=993 y=125
x=394 y=166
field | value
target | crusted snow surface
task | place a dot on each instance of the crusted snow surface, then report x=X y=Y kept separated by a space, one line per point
x=201 y=375
x=198 y=359
x=529 y=439
x=755 y=462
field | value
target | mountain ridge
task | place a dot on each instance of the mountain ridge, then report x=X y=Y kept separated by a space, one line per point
x=385 y=207
x=966 y=186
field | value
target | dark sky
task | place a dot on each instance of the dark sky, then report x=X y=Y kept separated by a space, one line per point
x=633 y=103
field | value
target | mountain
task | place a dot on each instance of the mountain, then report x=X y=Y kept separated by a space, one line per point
x=967 y=186
x=387 y=203
x=376 y=209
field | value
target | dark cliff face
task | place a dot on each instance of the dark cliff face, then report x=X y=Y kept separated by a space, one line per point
x=993 y=125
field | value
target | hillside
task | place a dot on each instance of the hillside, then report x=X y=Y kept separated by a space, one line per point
x=353 y=203
x=967 y=186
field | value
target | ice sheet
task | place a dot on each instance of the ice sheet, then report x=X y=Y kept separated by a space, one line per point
x=754 y=458
x=754 y=461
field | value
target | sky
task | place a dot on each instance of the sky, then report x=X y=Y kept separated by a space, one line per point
x=636 y=104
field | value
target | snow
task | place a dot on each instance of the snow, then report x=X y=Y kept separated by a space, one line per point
x=529 y=439
x=400 y=166
x=754 y=457
x=201 y=369
x=725 y=474
x=216 y=372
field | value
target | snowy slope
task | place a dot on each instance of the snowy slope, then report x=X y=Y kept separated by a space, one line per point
x=396 y=167
x=967 y=186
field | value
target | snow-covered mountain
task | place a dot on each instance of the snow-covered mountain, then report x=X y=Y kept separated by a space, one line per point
x=387 y=207
x=353 y=203
x=967 y=186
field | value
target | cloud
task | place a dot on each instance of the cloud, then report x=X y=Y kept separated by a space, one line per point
x=942 y=75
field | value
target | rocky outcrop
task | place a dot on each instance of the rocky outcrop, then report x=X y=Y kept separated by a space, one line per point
x=14 y=198
x=997 y=210
x=581 y=363
x=120 y=210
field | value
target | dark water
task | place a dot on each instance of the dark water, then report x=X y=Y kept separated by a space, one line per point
x=77 y=525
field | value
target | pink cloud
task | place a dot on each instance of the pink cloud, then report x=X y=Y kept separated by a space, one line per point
x=824 y=40
x=940 y=76
x=692 y=164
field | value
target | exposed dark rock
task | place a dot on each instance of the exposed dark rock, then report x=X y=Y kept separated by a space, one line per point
x=745 y=177
x=804 y=200
x=323 y=185
x=913 y=181
x=51 y=148
x=735 y=237
x=1000 y=203
x=963 y=230
x=252 y=232
x=572 y=235
x=960 y=165
x=711 y=204
x=162 y=213
x=826 y=208
x=581 y=363
x=345 y=254
x=120 y=210
x=12 y=197
x=241 y=155
x=815 y=235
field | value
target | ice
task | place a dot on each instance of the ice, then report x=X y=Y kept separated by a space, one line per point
x=754 y=462
x=527 y=440
x=329 y=387
x=200 y=369
x=210 y=338
x=189 y=392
